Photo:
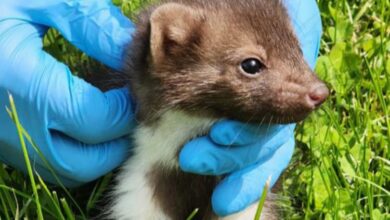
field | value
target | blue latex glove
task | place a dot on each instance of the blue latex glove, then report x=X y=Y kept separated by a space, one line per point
x=79 y=129
x=253 y=153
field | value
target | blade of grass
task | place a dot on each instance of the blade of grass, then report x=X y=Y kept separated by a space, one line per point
x=8 y=197
x=67 y=209
x=379 y=93
x=57 y=207
x=98 y=191
x=371 y=183
x=48 y=165
x=193 y=214
x=17 y=211
x=55 y=198
x=26 y=157
x=4 y=206
x=24 y=209
x=5 y=196
x=262 y=199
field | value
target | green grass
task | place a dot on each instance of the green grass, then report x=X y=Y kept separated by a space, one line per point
x=341 y=167
x=262 y=199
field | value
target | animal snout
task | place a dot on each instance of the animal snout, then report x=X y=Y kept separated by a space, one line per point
x=317 y=95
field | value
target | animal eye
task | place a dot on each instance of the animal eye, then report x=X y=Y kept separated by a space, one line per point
x=252 y=66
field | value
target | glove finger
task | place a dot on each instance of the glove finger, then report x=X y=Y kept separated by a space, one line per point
x=85 y=113
x=233 y=133
x=96 y=27
x=307 y=25
x=242 y=188
x=20 y=46
x=202 y=156
x=15 y=158
x=83 y=163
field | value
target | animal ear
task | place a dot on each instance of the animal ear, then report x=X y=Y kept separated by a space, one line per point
x=173 y=27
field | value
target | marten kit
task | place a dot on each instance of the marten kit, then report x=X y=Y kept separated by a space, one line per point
x=192 y=63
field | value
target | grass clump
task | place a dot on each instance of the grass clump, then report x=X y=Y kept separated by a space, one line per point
x=341 y=167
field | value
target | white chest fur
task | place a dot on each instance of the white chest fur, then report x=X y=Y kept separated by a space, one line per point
x=133 y=197
x=161 y=142
x=156 y=144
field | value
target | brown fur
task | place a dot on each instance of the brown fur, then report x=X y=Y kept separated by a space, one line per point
x=179 y=193
x=186 y=55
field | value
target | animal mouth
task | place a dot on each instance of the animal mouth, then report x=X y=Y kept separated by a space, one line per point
x=275 y=117
x=286 y=119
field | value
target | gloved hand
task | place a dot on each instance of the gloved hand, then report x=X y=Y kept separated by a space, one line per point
x=79 y=129
x=250 y=154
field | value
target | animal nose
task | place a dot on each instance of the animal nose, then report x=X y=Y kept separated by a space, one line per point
x=317 y=95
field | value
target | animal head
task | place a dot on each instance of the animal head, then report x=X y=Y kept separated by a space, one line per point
x=234 y=59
